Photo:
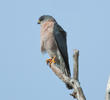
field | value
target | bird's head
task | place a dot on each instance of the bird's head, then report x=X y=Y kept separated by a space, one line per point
x=45 y=18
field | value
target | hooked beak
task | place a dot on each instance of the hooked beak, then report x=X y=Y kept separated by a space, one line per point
x=38 y=22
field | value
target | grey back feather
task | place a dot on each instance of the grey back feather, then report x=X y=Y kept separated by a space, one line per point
x=60 y=37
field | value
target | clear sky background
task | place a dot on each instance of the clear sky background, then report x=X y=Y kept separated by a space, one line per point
x=24 y=74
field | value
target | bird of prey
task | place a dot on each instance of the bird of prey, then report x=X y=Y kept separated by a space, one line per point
x=53 y=41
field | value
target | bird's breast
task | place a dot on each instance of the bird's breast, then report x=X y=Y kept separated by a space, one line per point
x=47 y=35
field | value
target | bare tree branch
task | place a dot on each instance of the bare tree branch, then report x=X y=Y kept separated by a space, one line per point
x=74 y=82
x=78 y=92
x=75 y=67
x=60 y=74
x=108 y=90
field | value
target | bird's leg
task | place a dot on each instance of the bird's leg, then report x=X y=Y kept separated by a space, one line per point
x=51 y=60
x=48 y=60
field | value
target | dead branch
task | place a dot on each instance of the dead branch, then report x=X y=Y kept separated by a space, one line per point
x=108 y=90
x=75 y=67
x=78 y=92
x=73 y=82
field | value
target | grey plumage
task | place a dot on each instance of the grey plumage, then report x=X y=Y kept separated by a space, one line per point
x=60 y=37
x=53 y=41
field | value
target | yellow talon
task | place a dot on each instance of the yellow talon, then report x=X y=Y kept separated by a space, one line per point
x=48 y=60
x=51 y=60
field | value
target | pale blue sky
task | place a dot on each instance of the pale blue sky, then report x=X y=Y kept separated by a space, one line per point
x=24 y=74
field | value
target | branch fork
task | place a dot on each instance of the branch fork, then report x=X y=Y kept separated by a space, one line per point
x=73 y=82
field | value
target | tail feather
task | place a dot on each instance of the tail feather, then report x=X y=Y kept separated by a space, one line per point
x=64 y=67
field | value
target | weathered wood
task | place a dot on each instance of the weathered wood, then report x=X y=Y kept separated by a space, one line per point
x=108 y=90
x=77 y=88
x=60 y=74
x=75 y=67
x=74 y=82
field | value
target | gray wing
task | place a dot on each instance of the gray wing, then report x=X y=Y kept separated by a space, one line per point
x=60 y=37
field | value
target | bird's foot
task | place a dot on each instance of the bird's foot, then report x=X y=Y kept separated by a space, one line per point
x=51 y=60
x=48 y=60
